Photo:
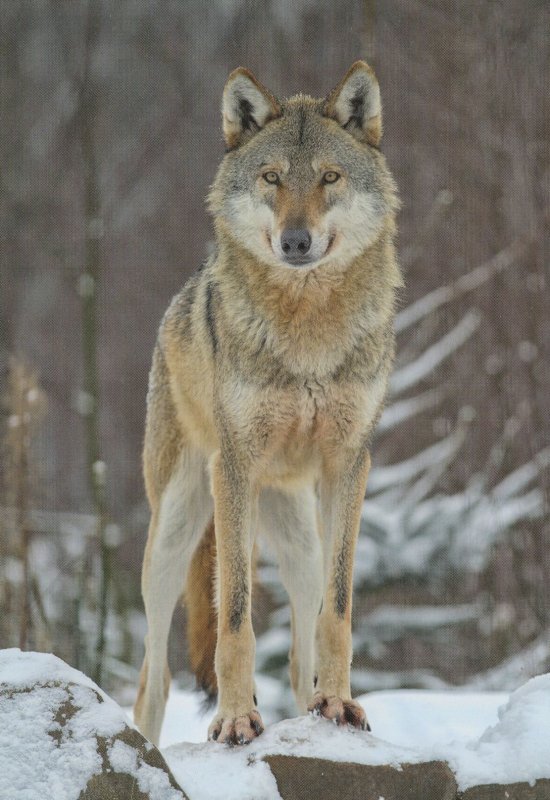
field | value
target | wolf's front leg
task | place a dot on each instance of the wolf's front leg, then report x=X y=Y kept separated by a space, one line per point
x=237 y=720
x=342 y=492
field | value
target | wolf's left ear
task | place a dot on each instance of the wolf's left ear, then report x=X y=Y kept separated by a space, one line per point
x=355 y=104
x=246 y=107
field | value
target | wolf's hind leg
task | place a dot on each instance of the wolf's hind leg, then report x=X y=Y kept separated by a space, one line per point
x=289 y=521
x=176 y=528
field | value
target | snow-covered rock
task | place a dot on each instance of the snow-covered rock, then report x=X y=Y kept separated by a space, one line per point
x=312 y=752
x=497 y=745
x=61 y=737
x=513 y=751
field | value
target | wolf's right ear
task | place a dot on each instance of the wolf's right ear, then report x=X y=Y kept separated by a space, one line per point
x=246 y=107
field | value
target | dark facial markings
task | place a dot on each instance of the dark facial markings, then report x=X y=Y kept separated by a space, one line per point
x=301 y=126
x=210 y=316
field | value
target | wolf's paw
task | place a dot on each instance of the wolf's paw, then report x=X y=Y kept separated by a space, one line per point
x=342 y=712
x=236 y=730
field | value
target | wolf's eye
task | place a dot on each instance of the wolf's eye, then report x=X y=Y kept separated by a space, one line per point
x=330 y=177
x=271 y=177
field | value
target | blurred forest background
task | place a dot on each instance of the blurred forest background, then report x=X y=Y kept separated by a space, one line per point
x=109 y=140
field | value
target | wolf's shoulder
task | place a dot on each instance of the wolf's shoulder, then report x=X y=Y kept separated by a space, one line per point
x=183 y=302
x=178 y=316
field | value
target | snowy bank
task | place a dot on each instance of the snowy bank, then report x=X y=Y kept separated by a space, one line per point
x=487 y=738
x=62 y=737
x=212 y=771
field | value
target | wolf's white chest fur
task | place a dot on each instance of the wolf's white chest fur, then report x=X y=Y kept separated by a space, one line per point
x=288 y=431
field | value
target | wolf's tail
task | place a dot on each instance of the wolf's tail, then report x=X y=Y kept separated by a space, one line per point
x=202 y=618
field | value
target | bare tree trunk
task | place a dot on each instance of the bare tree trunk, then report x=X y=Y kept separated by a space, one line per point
x=21 y=478
x=369 y=26
x=88 y=284
x=24 y=405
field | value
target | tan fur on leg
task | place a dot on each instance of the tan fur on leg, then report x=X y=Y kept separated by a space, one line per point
x=342 y=495
x=202 y=617
x=237 y=720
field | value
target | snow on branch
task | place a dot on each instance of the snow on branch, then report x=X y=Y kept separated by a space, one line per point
x=513 y=671
x=466 y=283
x=522 y=477
x=402 y=472
x=398 y=412
x=388 y=622
x=413 y=373
x=368 y=680
x=443 y=532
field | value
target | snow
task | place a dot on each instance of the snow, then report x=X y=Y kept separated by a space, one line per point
x=410 y=726
x=39 y=757
x=411 y=374
x=424 y=719
x=31 y=765
x=516 y=748
x=466 y=283
x=388 y=618
x=22 y=670
x=123 y=758
x=485 y=737
x=186 y=719
x=212 y=771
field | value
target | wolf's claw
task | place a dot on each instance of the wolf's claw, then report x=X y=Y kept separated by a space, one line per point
x=341 y=712
x=236 y=730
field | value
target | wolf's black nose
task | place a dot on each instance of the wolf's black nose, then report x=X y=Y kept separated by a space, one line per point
x=295 y=243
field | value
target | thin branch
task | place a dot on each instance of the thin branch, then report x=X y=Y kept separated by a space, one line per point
x=396 y=413
x=404 y=471
x=431 y=358
x=466 y=283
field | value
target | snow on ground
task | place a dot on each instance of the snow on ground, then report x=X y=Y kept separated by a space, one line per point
x=212 y=771
x=516 y=748
x=422 y=719
x=21 y=670
x=186 y=719
x=486 y=737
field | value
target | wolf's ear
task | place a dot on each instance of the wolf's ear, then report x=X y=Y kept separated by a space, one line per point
x=246 y=107
x=355 y=104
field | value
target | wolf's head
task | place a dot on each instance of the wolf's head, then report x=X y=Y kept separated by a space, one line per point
x=303 y=183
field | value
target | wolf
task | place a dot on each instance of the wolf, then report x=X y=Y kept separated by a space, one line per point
x=268 y=376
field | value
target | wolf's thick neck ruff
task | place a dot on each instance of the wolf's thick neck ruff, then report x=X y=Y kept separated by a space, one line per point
x=316 y=316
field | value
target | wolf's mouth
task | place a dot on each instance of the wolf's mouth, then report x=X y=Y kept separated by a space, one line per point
x=307 y=259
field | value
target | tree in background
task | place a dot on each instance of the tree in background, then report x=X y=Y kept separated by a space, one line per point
x=23 y=618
